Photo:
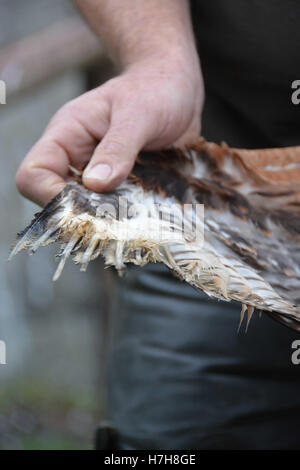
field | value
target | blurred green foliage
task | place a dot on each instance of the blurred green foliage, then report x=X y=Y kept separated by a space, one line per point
x=38 y=416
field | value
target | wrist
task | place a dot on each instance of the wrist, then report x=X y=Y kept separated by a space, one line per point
x=171 y=62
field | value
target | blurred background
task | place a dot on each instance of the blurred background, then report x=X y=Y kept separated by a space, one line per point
x=52 y=392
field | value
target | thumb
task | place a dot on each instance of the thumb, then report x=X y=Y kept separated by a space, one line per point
x=114 y=157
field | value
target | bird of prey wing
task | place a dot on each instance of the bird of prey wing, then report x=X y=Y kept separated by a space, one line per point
x=225 y=220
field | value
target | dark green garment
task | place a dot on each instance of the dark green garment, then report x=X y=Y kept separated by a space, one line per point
x=179 y=375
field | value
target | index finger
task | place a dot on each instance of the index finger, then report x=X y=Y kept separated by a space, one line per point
x=70 y=138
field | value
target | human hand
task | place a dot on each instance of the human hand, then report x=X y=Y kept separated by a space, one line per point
x=152 y=105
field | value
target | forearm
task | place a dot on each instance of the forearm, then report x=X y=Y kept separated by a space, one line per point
x=137 y=30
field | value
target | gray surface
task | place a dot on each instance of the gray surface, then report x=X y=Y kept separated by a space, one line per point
x=47 y=327
x=20 y=18
x=52 y=331
x=51 y=387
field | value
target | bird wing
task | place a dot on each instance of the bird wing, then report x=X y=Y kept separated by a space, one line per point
x=249 y=249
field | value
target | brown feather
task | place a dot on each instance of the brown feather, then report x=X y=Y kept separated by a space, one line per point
x=251 y=248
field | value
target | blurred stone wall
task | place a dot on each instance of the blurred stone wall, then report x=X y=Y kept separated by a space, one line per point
x=53 y=332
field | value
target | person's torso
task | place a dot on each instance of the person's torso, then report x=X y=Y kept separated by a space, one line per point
x=249 y=51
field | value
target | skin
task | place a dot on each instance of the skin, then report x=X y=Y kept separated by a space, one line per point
x=154 y=103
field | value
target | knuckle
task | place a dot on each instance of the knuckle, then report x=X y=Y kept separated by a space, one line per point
x=22 y=178
x=114 y=146
x=64 y=116
x=64 y=112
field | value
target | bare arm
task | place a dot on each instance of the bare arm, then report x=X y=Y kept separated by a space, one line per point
x=137 y=30
x=155 y=102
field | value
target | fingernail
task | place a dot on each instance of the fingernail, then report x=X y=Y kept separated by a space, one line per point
x=99 y=172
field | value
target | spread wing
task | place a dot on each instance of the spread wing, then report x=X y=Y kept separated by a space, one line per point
x=249 y=250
